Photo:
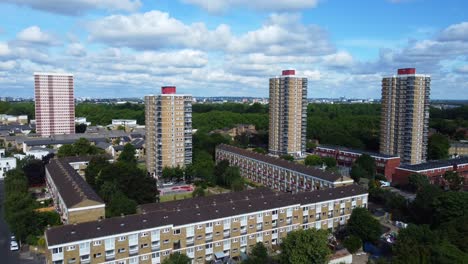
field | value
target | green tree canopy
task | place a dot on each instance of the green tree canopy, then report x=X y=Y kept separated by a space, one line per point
x=305 y=247
x=417 y=181
x=313 y=160
x=287 y=157
x=352 y=244
x=454 y=180
x=177 y=258
x=258 y=255
x=128 y=154
x=437 y=147
x=330 y=162
x=363 y=225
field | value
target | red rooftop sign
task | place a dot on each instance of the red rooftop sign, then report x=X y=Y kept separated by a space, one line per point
x=289 y=72
x=407 y=71
x=168 y=90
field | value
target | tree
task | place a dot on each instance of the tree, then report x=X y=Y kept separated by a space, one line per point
x=421 y=209
x=310 y=145
x=66 y=151
x=357 y=172
x=454 y=180
x=329 y=162
x=258 y=255
x=168 y=173
x=313 y=160
x=83 y=147
x=93 y=170
x=220 y=168
x=417 y=181
x=367 y=163
x=287 y=157
x=128 y=154
x=449 y=205
x=119 y=204
x=198 y=192
x=177 y=258
x=437 y=147
x=363 y=225
x=305 y=247
x=238 y=185
x=419 y=244
x=352 y=244
x=260 y=150
x=230 y=175
x=81 y=128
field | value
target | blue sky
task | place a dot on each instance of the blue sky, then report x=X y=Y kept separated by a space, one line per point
x=126 y=48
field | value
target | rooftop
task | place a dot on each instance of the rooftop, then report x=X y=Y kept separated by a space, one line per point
x=434 y=164
x=194 y=210
x=374 y=154
x=72 y=187
x=317 y=173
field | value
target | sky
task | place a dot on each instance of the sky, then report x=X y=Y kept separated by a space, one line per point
x=130 y=48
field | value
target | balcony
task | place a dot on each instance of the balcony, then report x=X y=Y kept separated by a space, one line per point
x=226 y=234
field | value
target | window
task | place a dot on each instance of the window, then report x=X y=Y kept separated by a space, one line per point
x=146 y=257
x=97 y=243
x=97 y=255
x=144 y=234
x=121 y=250
x=56 y=250
x=199 y=226
x=166 y=241
x=122 y=238
x=166 y=230
x=144 y=245
x=177 y=232
x=69 y=248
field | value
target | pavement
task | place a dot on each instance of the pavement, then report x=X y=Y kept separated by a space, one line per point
x=16 y=257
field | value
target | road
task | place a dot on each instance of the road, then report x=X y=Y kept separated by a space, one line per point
x=7 y=256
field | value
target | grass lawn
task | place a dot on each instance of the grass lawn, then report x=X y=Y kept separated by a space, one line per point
x=179 y=196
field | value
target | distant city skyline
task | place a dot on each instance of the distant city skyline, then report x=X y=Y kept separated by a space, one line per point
x=130 y=48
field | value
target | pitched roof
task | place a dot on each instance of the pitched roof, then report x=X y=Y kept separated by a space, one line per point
x=72 y=187
x=195 y=210
x=358 y=151
x=313 y=172
x=434 y=164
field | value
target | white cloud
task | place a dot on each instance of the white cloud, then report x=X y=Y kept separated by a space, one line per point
x=155 y=30
x=78 y=7
x=462 y=69
x=7 y=65
x=457 y=32
x=34 y=35
x=284 y=34
x=340 y=59
x=76 y=49
x=217 y=6
x=4 y=49
x=281 y=35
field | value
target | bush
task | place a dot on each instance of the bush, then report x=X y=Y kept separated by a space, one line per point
x=352 y=244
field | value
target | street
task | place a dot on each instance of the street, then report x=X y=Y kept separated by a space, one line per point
x=7 y=256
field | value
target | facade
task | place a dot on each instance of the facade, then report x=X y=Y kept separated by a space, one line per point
x=434 y=170
x=386 y=164
x=458 y=149
x=168 y=141
x=203 y=228
x=278 y=174
x=74 y=199
x=55 y=104
x=405 y=115
x=288 y=115
x=6 y=164
x=124 y=122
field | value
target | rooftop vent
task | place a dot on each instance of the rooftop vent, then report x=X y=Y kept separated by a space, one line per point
x=122 y=224
x=98 y=228
x=72 y=232
x=144 y=220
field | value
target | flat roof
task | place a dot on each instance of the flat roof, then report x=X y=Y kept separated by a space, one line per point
x=434 y=164
x=191 y=211
x=54 y=73
x=313 y=172
x=358 y=151
x=72 y=187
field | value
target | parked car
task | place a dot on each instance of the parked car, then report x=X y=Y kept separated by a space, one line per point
x=14 y=246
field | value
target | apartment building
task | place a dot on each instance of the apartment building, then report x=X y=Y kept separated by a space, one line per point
x=434 y=170
x=168 y=119
x=458 y=149
x=55 y=103
x=386 y=164
x=279 y=174
x=203 y=228
x=74 y=199
x=288 y=115
x=405 y=115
